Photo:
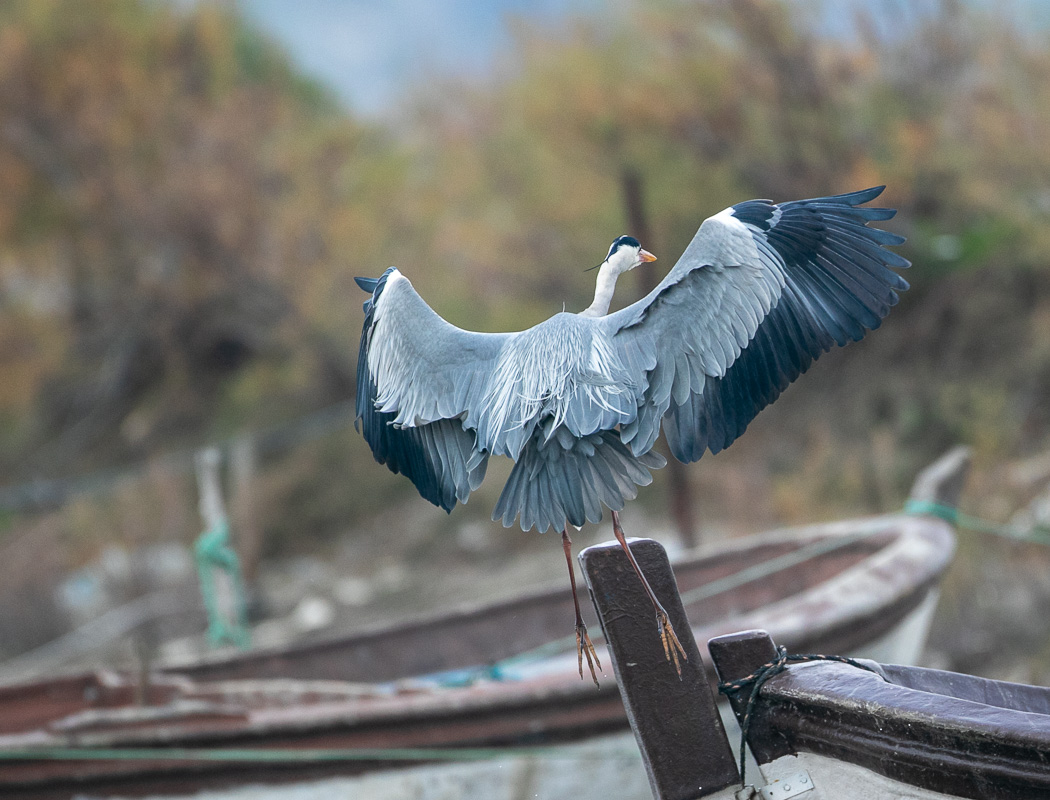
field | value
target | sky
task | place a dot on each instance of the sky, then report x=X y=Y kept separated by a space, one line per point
x=370 y=51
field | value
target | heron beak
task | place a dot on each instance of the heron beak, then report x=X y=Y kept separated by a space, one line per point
x=645 y=255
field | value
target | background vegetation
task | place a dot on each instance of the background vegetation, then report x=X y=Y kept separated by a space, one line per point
x=183 y=213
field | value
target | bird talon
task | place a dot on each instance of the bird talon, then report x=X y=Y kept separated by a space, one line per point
x=672 y=647
x=584 y=646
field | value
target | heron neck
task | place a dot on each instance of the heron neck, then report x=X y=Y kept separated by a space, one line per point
x=603 y=291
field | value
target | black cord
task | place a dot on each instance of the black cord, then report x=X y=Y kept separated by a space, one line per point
x=757 y=678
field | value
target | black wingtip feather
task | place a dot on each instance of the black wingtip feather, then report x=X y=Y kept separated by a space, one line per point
x=368 y=284
x=402 y=450
x=852 y=198
x=840 y=284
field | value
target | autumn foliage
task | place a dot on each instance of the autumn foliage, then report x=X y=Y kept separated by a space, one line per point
x=182 y=214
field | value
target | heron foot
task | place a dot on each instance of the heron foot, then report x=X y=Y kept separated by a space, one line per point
x=583 y=641
x=584 y=647
x=672 y=647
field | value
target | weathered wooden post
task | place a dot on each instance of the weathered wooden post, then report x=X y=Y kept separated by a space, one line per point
x=675 y=721
x=243 y=468
x=222 y=587
x=940 y=485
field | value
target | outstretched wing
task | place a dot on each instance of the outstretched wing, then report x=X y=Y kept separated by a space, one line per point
x=761 y=291
x=418 y=376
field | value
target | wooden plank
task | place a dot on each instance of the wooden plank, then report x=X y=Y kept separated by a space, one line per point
x=675 y=721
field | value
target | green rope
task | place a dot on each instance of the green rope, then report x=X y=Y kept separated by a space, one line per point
x=766 y=568
x=950 y=514
x=502 y=669
x=308 y=755
x=213 y=552
x=956 y=517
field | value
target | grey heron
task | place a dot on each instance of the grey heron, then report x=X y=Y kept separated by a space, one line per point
x=578 y=400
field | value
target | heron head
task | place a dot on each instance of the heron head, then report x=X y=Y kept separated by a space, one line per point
x=625 y=254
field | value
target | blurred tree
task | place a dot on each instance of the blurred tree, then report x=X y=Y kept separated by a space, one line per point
x=183 y=213
x=702 y=104
x=176 y=202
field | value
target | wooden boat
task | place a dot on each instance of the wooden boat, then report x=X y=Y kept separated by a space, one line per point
x=891 y=731
x=818 y=726
x=470 y=678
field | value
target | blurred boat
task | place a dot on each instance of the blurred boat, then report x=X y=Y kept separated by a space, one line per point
x=480 y=676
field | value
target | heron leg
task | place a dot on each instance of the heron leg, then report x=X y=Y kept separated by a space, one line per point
x=672 y=647
x=583 y=641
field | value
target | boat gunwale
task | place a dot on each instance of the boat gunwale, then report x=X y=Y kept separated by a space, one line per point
x=931 y=740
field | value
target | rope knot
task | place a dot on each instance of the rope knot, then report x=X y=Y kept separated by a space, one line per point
x=758 y=678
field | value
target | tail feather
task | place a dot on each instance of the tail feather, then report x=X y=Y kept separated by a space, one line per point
x=552 y=486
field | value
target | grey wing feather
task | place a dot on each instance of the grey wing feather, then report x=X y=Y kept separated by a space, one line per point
x=761 y=292
x=418 y=379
